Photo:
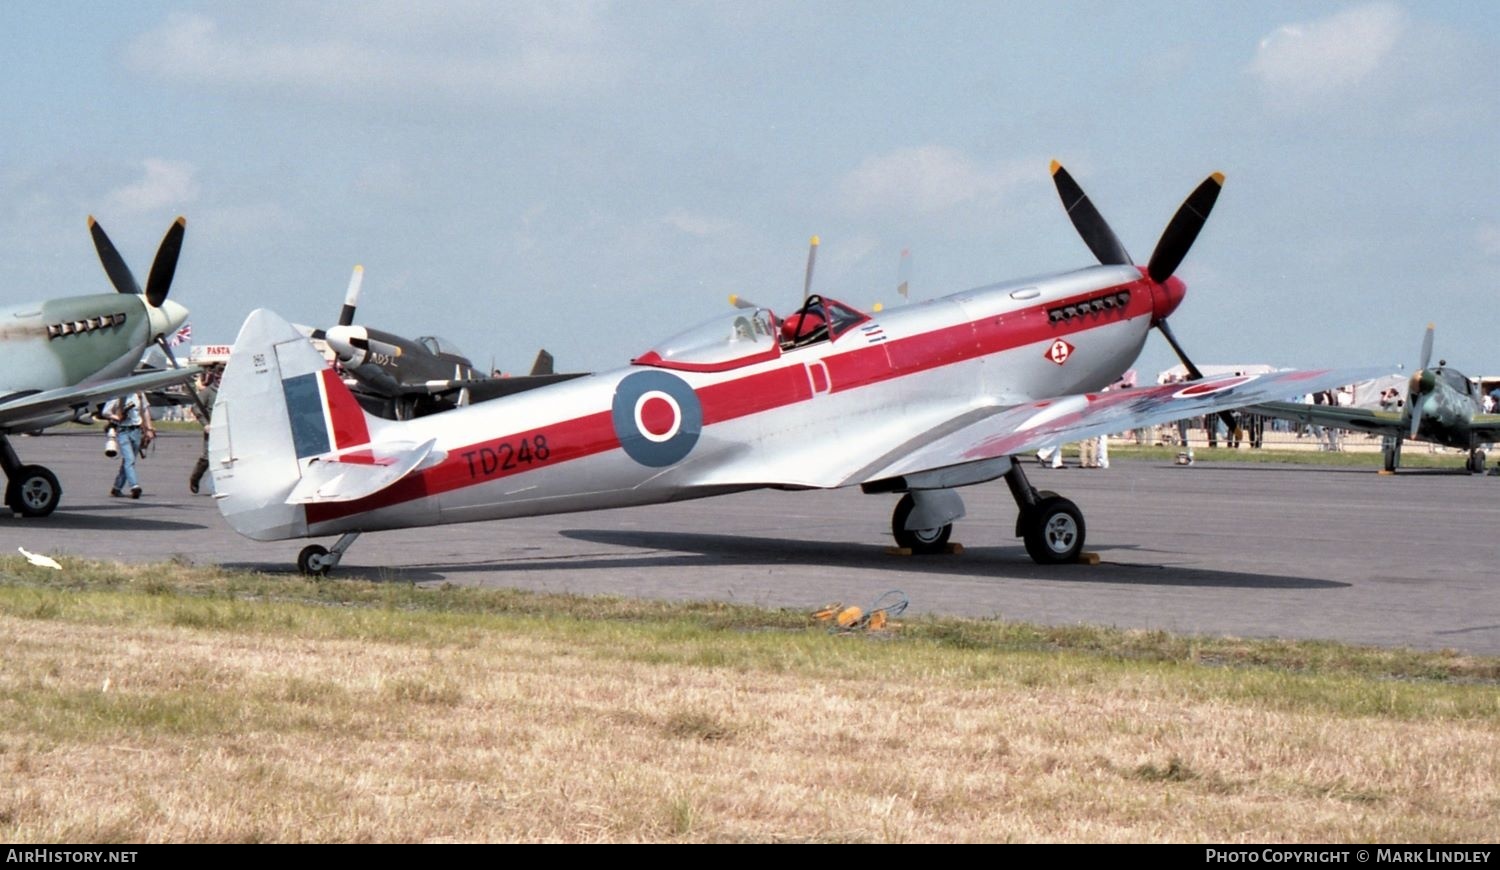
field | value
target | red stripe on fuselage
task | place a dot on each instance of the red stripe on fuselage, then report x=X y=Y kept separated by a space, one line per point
x=483 y=462
x=756 y=393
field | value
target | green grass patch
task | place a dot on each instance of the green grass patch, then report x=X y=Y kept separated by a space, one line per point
x=1297 y=674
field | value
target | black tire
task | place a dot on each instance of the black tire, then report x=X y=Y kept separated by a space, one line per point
x=1476 y=462
x=313 y=561
x=33 y=491
x=1054 y=531
x=920 y=541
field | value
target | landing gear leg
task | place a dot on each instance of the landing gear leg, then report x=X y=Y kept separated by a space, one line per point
x=317 y=560
x=1051 y=526
x=30 y=490
x=1390 y=451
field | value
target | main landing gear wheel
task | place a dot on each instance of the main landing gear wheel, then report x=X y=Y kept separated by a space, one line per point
x=919 y=541
x=33 y=491
x=1476 y=462
x=1053 y=531
x=314 y=561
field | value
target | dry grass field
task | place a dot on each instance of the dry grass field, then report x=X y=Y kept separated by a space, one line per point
x=175 y=703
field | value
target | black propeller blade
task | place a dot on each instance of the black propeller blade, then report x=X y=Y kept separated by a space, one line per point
x=1194 y=374
x=159 y=282
x=165 y=264
x=114 y=265
x=1183 y=229
x=1089 y=223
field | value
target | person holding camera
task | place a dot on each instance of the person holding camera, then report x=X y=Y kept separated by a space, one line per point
x=131 y=416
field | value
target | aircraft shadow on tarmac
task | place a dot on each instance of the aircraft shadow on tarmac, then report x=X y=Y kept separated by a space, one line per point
x=104 y=521
x=683 y=549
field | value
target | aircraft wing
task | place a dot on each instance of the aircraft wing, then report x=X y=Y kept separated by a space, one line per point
x=17 y=412
x=1485 y=427
x=1357 y=419
x=1030 y=426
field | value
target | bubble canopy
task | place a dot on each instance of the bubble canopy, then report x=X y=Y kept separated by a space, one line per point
x=728 y=341
x=748 y=336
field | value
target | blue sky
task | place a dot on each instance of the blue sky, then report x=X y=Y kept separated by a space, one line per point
x=596 y=176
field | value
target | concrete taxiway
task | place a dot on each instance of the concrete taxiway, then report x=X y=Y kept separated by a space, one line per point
x=1239 y=549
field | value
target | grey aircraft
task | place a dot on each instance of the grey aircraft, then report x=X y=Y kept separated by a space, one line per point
x=400 y=378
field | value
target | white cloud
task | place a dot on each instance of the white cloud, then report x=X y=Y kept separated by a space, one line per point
x=167 y=184
x=925 y=180
x=700 y=225
x=1305 y=63
x=458 y=51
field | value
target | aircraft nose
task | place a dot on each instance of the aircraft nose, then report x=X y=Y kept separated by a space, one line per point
x=1165 y=297
x=166 y=317
x=341 y=339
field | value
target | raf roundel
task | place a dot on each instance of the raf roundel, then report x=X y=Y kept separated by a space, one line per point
x=657 y=418
x=1208 y=388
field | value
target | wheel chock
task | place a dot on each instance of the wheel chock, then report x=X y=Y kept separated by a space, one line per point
x=950 y=549
x=1386 y=473
x=1088 y=558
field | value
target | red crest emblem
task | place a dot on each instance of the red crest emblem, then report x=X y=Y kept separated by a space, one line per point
x=1059 y=351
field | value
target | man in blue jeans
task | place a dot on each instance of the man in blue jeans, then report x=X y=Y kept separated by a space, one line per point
x=132 y=416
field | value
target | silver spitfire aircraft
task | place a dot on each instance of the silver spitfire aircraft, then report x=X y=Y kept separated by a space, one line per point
x=918 y=401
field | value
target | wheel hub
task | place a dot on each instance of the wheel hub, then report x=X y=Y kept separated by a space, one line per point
x=1060 y=533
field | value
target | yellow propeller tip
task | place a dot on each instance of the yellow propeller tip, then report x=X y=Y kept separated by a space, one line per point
x=879 y=307
x=815 y=241
x=1218 y=178
x=92 y=221
x=358 y=268
x=734 y=298
x=1055 y=166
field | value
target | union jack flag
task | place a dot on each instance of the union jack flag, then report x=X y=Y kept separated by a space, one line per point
x=181 y=336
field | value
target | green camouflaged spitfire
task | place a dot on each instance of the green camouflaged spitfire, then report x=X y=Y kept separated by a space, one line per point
x=61 y=358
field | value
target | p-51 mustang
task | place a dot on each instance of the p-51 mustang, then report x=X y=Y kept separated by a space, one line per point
x=1442 y=407
x=61 y=358
x=918 y=401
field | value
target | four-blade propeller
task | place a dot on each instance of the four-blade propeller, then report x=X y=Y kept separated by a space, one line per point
x=1171 y=248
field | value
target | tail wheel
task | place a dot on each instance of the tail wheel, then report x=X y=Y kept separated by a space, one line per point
x=314 y=561
x=33 y=491
x=1053 y=531
x=919 y=541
